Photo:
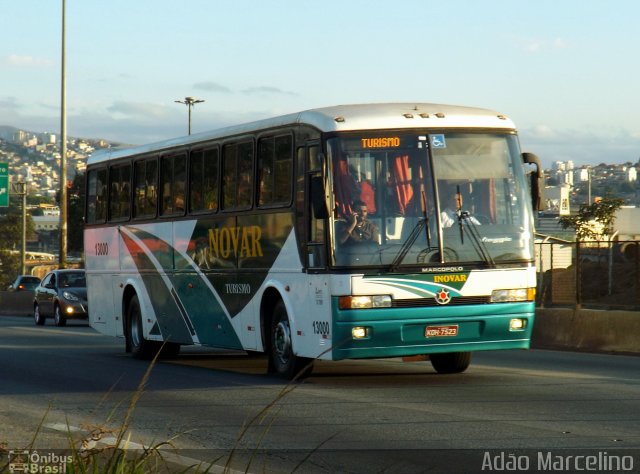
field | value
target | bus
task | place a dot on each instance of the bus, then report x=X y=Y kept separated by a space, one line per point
x=235 y=238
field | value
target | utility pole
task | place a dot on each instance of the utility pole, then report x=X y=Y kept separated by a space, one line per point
x=63 y=148
x=20 y=188
x=189 y=102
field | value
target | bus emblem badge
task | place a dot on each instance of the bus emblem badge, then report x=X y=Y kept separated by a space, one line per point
x=443 y=296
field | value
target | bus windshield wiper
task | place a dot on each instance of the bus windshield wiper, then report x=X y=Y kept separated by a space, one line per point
x=415 y=232
x=467 y=225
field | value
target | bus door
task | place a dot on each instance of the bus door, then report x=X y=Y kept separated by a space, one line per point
x=314 y=320
x=315 y=209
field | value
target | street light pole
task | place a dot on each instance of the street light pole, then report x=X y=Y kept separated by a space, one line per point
x=63 y=147
x=189 y=102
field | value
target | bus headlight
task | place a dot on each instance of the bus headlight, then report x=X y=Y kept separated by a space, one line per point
x=510 y=296
x=364 y=302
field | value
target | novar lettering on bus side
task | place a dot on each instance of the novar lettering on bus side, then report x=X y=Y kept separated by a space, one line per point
x=240 y=241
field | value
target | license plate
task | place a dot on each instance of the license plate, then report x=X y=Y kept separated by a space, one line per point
x=441 y=331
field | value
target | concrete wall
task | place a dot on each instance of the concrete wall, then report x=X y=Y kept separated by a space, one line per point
x=587 y=330
x=16 y=303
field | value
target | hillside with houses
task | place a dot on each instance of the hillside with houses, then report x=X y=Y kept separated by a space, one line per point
x=35 y=159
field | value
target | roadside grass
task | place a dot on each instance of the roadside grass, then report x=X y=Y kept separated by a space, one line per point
x=102 y=450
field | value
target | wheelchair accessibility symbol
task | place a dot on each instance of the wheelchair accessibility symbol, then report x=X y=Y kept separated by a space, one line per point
x=438 y=141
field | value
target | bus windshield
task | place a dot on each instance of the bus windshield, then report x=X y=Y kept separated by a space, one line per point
x=406 y=199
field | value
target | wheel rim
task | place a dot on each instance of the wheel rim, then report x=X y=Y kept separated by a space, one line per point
x=58 y=316
x=282 y=342
x=36 y=313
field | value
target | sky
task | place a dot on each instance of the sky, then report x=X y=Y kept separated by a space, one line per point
x=565 y=71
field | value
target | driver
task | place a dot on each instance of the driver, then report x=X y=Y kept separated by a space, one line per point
x=358 y=228
x=452 y=206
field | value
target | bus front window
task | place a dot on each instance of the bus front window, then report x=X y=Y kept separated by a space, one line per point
x=484 y=212
x=456 y=198
x=389 y=177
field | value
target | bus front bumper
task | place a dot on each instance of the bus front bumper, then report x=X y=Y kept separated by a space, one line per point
x=393 y=332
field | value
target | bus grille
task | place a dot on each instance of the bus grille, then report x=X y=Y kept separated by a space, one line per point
x=422 y=302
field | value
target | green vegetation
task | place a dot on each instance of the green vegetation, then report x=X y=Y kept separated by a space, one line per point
x=593 y=220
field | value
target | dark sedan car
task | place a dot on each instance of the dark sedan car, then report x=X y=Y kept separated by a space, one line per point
x=62 y=295
x=24 y=283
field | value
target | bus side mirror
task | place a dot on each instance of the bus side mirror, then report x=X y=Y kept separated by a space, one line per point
x=537 y=181
x=318 y=202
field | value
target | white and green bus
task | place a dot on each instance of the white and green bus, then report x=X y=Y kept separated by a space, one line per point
x=236 y=238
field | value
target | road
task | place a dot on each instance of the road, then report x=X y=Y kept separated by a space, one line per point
x=350 y=416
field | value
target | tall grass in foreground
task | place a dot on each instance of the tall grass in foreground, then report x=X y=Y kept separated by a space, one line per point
x=103 y=450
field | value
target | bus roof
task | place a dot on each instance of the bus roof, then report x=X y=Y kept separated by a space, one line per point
x=339 y=118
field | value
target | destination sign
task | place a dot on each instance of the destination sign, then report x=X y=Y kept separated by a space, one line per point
x=381 y=142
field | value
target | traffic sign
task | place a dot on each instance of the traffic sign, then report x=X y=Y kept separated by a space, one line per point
x=4 y=184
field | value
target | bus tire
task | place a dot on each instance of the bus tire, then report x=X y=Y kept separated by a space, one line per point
x=140 y=347
x=450 y=362
x=284 y=362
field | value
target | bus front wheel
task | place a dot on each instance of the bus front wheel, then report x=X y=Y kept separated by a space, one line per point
x=283 y=361
x=451 y=362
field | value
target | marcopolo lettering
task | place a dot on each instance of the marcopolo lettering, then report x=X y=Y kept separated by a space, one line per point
x=237 y=241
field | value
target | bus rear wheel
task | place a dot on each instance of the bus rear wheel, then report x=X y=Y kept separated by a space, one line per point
x=451 y=362
x=283 y=361
x=140 y=347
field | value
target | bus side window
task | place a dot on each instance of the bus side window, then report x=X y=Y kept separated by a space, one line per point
x=145 y=195
x=195 y=181
x=245 y=175
x=210 y=179
x=237 y=175
x=229 y=177
x=275 y=165
x=96 y=196
x=173 y=178
x=265 y=171
x=203 y=176
x=120 y=192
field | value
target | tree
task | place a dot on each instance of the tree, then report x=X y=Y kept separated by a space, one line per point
x=75 y=214
x=601 y=213
x=11 y=226
x=9 y=267
x=11 y=240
